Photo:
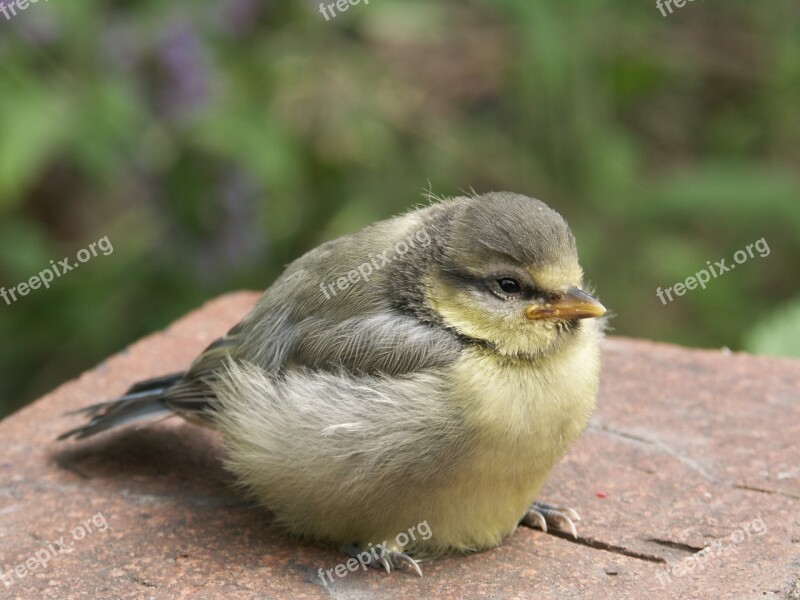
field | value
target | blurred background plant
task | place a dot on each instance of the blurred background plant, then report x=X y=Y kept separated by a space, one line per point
x=215 y=141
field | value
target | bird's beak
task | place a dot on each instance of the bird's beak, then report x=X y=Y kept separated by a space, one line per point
x=572 y=304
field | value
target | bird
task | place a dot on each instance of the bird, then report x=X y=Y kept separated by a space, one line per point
x=430 y=368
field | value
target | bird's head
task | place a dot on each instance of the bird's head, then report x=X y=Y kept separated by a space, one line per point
x=508 y=276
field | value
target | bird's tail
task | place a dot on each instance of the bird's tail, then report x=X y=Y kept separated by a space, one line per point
x=144 y=400
x=188 y=394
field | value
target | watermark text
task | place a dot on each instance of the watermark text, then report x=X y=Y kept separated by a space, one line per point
x=372 y=554
x=50 y=550
x=375 y=263
x=720 y=547
x=703 y=276
x=56 y=269
x=329 y=11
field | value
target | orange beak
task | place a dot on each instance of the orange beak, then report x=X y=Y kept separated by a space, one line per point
x=570 y=305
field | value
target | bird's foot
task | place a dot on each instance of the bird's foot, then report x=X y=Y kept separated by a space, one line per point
x=382 y=557
x=561 y=517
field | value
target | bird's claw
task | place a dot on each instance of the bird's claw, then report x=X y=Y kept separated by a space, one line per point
x=399 y=558
x=387 y=564
x=541 y=515
x=386 y=558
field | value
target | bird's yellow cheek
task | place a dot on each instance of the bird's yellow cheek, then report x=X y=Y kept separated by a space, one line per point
x=511 y=334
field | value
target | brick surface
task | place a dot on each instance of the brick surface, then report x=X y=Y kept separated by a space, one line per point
x=688 y=449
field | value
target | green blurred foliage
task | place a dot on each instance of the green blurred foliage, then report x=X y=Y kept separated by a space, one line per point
x=215 y=141
x=777 y=335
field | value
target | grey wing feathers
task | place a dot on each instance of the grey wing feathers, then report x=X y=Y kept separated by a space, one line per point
x=295 y=326
x=388 y=344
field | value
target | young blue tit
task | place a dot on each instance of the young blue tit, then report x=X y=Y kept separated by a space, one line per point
x=430 y=368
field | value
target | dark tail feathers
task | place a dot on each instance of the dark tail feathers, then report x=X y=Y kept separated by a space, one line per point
x=143 y=400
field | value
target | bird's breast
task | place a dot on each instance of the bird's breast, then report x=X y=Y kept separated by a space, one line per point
x=532 y=405
x=522 y=416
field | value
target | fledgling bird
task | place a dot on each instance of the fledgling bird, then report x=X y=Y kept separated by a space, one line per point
x=432 y=368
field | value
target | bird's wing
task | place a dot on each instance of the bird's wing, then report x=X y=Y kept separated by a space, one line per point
x=387 y=344
x=383 y=344
x=302 y=324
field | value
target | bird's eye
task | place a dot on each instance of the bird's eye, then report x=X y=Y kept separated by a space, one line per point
x=509 y=285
